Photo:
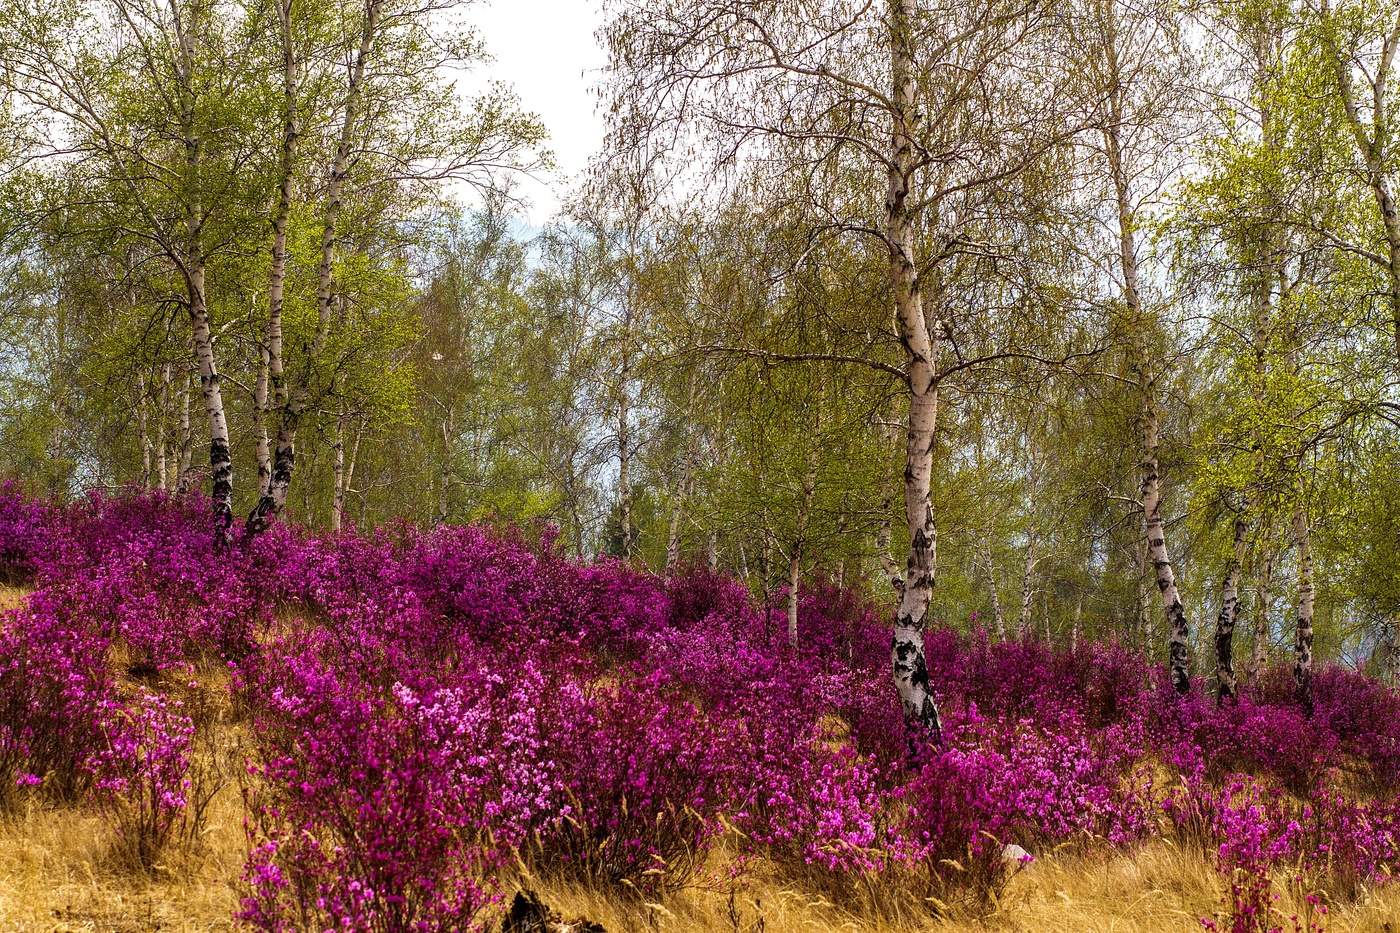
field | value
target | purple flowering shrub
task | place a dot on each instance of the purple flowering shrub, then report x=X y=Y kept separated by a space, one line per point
x=142 y=772
x=427 y=710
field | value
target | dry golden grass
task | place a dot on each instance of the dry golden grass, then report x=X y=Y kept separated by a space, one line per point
x=59 y=872
x=10 y=598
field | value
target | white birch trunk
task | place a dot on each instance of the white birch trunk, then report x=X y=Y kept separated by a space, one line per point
x=910 y=668
x=220 y=457
x=989 y=569
x=1023 y=624
x=143 y=424
x=1226 y=685
x=162 y=442
x=1262 y=625
x=1154 y=529
x=293 y=399
x=804 y=514
x=1303 y=643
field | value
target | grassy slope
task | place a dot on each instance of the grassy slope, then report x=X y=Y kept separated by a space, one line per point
x=56 y=874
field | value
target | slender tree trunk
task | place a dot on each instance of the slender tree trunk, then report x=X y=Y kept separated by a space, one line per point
x=162 y=444
x=712 y=551
x=909 y=665
x=185 y=435
x=1302 y=647
x=1078 y=620
x=220 y=456
x=1023 y=624
x=989 y=569
x=260 y=397
x=804 y=515
x=1262 y=626
x=1373 y=144
x=624 y=461
x=338 y=474
x=1226 y=687
x=293 y=399
x=1139 y=319
x=143 y=424
x=673 y=533
x=444 y=483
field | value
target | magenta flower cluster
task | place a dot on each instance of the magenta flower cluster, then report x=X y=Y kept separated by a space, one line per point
x=426 y=710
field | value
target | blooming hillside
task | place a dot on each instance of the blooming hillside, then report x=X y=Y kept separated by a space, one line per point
x=427 y=717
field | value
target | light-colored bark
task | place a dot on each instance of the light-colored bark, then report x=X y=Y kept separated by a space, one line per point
x=220 y=455
x=993 y=591
x=1226 y=686
x=1303 y=642
x=910 y=668
x=162 y=440
x=143 y=425
x=1262 y=625
x=1023 y=624
x=1140 y=318
x=185 y=435
x=799 y=543
x=263 y=450
x=293 y=400
x=1373 y=142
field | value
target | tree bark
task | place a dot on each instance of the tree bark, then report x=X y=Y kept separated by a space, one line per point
x=1303 y=643
x=185 y=435
x=162 y=445
x=1139 y=318
x=1226 y=686
x=293 y=401
x=1262 y=599
x=143 y=424
x=220 y=456
x=910 y=668
x=989 y=569
x=1372 y=146
x=804 y=514
x=1023 y=624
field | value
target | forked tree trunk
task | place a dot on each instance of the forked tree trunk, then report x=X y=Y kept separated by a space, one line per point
x=1303 y=643
x=910 y=668
x=1226 y=686
x=293 y=400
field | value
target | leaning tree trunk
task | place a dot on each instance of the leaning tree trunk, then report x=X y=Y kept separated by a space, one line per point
x=1226 y=686
x=910 y=668
x=1302 y=646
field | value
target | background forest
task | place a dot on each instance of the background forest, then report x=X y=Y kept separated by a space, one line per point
x=272 y=249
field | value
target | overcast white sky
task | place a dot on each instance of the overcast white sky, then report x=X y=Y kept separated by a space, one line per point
x=546 y=50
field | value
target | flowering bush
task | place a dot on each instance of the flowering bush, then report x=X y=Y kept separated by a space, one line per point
x=142 y=772
x=427 y=709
